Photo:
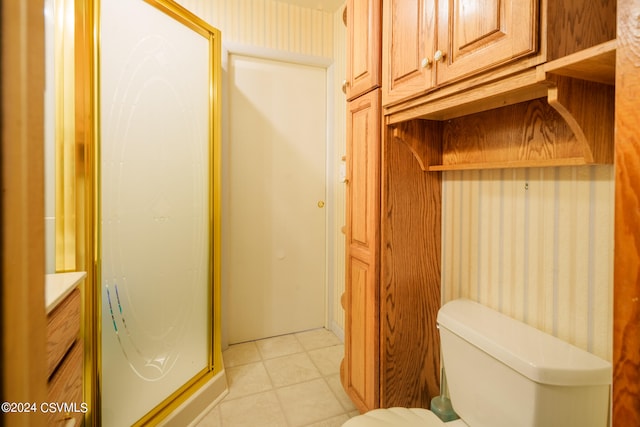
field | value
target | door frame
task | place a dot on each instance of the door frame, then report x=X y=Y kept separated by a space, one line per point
x=231 y=48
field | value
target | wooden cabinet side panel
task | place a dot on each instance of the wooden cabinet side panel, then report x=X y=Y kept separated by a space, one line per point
x=575 y=25
x=626 y=322
x=410 y=278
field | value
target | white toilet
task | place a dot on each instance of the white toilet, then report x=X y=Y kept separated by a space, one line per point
x=504 y=373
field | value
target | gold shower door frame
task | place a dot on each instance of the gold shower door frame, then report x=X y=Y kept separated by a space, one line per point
x=89 y=256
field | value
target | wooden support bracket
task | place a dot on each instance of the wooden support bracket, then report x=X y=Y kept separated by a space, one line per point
x=588 y=108
x=423 y=138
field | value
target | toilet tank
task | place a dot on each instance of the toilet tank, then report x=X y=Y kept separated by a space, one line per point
x=504 y=373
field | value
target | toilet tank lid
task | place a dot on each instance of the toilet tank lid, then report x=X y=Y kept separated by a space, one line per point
x=537 y=355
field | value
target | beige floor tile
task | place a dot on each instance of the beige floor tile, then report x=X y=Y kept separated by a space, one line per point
x=260 y=409
x=286 y=381
x=308 y=402
x=240 y=354
x=247 y=379
x=291 y=369
x=317 y=338
x=331 y=422
x=328 y=359
x=338 y=390
x=212 y=419
x=279 y=346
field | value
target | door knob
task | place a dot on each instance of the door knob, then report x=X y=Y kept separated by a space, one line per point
x=439 y=56
x=320 y=204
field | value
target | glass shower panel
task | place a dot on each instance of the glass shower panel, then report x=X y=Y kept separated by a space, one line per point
x=155 y=186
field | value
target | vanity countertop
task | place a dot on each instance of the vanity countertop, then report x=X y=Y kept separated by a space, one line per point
x=59 y=285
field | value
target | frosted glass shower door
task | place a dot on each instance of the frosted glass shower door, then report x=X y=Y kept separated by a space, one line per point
x=155 y=182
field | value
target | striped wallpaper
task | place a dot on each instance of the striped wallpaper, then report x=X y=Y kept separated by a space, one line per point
x=269 y=24
x=536 y=244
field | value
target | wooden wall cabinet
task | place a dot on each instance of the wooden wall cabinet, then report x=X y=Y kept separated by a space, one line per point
x=361 y=298
x=517 y=83
x=422 y=49
x=408 y=41
x=364 y=29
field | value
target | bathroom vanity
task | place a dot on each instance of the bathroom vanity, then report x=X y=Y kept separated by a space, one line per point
x=64 y=349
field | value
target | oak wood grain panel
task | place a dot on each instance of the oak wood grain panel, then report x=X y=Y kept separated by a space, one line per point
x=410 y=278
x=65 y=387
x=577 y=24
x=63 y=328
x=530 y=130
x=626 y=335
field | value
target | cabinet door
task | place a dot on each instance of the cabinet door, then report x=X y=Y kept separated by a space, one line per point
x=408 y=44
x=474 y=35
x=363 y=46
x=361 y=364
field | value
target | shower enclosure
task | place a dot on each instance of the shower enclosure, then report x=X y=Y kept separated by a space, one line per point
x=158 y=78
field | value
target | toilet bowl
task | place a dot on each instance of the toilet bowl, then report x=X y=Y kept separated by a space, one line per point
x=504 y=373
x=400 y=417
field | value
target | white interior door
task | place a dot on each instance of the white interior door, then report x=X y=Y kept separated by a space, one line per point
x=277 y=177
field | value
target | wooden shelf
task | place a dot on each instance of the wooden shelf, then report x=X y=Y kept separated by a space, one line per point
x=571 y=161
x=556 y=131
x=596 y=64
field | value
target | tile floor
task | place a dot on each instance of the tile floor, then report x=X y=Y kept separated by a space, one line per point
x=287 y=381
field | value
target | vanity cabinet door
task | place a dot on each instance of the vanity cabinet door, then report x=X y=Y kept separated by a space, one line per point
x=408 y=42
x=363 y=20
x=474 y=35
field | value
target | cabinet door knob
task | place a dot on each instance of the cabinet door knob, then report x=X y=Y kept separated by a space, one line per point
x=439 y=56
x=425 y=63
x=344 y=86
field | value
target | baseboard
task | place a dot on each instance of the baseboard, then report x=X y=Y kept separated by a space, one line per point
x=199 y=404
